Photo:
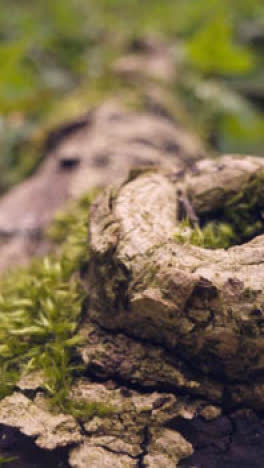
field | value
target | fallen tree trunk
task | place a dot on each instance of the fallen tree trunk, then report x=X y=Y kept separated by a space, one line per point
x=93 y=151
x=172 y=331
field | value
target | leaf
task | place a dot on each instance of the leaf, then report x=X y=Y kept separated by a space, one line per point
x=212 y=50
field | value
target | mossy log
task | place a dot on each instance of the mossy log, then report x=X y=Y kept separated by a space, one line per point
x=92 y=151
x=204 y=307
x=172 y=334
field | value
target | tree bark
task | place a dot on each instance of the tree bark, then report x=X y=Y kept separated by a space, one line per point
x=93 y=151
x=199 y=304
x=173 y=335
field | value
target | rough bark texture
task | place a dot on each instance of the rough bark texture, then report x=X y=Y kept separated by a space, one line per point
x=173 y=333
x=197 y=303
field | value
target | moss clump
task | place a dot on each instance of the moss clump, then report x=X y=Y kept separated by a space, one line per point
x=84 y=410
x=69 y=230
x=240 y=219
x=244 y=211
x=212 y=236
x=40 y=312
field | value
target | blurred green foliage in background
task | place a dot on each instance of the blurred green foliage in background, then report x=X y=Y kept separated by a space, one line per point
x=55 y=61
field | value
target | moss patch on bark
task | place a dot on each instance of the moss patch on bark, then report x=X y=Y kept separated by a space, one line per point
x=239 y=219
x=40 y=313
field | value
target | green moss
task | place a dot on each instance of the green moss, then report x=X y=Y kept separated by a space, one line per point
x=245 y=209
x=83 y=410
x=40 y=313
x=72 y=220
x=240 y=219
x=213 y=235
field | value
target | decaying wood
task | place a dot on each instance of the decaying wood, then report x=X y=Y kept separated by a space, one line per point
x=173 y=333
x=94 y=151
x=197 y=303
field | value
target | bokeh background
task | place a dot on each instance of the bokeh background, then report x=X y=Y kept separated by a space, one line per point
x=56 y=61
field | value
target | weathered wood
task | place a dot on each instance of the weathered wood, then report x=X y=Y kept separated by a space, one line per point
x=173 y=333
x=204 y=306
x=95 y=150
